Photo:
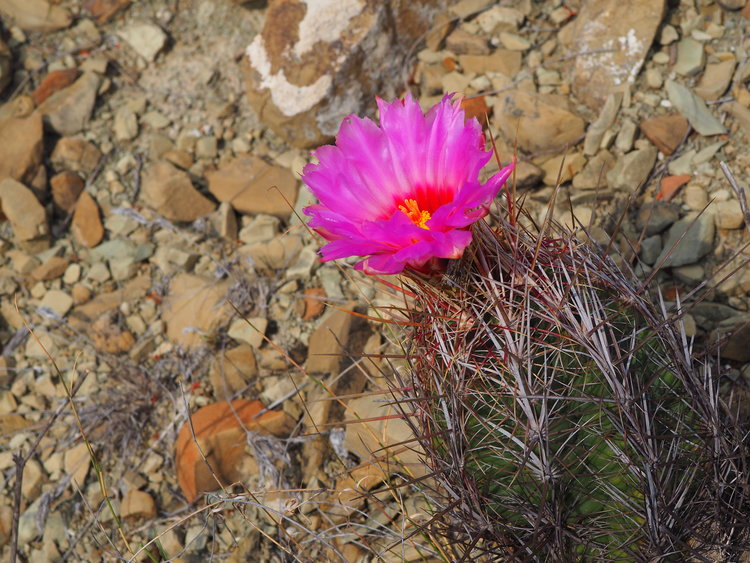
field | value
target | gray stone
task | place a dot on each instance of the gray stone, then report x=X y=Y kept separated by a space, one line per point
x=690 y=57
x=632 y=169
x=697 y=242
x=67 y=112
x=694 y=109
x=690 y=275
x=594 y=174
x=650 y=249
x=606 y=118
x=626 y=136
x=125 y=124
x=656 y=216
x=683 y=164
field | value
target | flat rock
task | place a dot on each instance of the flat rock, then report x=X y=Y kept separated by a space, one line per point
x=316 y=62
x=66 y=188
x=328 y=342
x=665 y=131
x=233 y=370
x=715 y=80
x=462 y=42
x=697 y=242
x=594 y=174
x=52 y=268
x=87 y=224
x=694 y=109
x=54 y=82
x=502 y=61
x=562 y=168
x=252 y=186
x=76 y=155
x=103 y=10
x=536 y=121
x=728 y=215
x=690 y=57
x=77 y=462
x=195 y=306
x=35 y=15
x=67 y=112
x=26 y=215
x=607 y=115
x=632 y=169
x=20 y=159
x=655 y=217
x=218 y=431
x=613 y=38
x=146 y=39
x=6 y=65
x=741 y=115
x=171 y=193
x=138 y=505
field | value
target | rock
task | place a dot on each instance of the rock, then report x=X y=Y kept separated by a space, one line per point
x=181 y=159
x=251 y=331
x=76 y=155
x=87 y=224
x=500 y=18
x=514 y=42
x=736 y=347
x=138 y=505
x=504 y=62
x=103 y=10
x=624 y=140
x=54 y=82
x=225 y=222
x=654 y=78
x=728 y=215
x=77 y=462
x=277 y=254
x=613 y=38
x=694 y=109
x=715 y=80
x=33 y=476
x=670 y=185
x=194 y=307
x=20 y=159
x=462 y=42
x=220 y=432
x=695 y=197
x=312 y=303
x=171 y=193
x=6 y=66
x=562 y=168
x=650 y=250
x=35 y=15
x=654 y=217
x=57 y=301
x=108 y=336
x=632 y=169
x=328 y=342
x=740 y=113
x=67 y=112
x=125 y=125
x=252 y=186
x=316 y=62
x=467 y=8
x=535 y=121
x=527 y=174
x=596 y=130
x=66 y=187
x=6 y=524
x=233 y=370
x=52 y=268
x=206 y=147
x=146 y=39
x=697 y=242
x=665 y=131
x=382 y=437
x=690 y=57
x=594 y=174
x=26 y=215
x=732 y=4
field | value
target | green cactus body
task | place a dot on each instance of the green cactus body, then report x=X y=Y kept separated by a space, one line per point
x=562 y=416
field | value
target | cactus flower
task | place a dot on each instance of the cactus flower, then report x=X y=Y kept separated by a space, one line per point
x=401 y=195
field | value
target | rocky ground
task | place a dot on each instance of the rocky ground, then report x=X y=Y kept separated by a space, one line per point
x=148 y=272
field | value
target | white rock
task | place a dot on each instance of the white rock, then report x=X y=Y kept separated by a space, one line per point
x=146 y=39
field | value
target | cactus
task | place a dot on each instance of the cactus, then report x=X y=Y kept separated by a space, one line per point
x=561 y=412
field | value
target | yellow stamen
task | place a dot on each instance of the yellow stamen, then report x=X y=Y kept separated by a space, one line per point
x=418 y=217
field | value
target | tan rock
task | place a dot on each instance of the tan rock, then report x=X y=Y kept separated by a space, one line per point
x=328 y=342
x=138 y=505
x=219 y=430
x=276 y=254
x=233 y=370
x=195 y=306
x=612 y=39
x=502 y=61
x=76 y=155
x=52 y=268
x=6 y=524
x=26 y=215
x=54 y=82
x=77 y=462
x=108 y=336
x=35 y=15
x=462 y=42
x=33 y=476
x=87 y=224
x=20 y=159
x=67 y=112
x=252 y=186
x=171 y=193
x=715 y=80
x=562 y=168
x=312 y=303
x=537 y=122
x=741 y=115
x=6 y=66
x=85 y=314
x=103 y=10
x=316 y=62
x=66 y=187
x=665 y=131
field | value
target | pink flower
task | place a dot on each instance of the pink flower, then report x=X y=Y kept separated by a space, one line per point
x=402 y=194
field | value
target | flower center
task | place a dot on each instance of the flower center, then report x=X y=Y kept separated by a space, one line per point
x=417 y=216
